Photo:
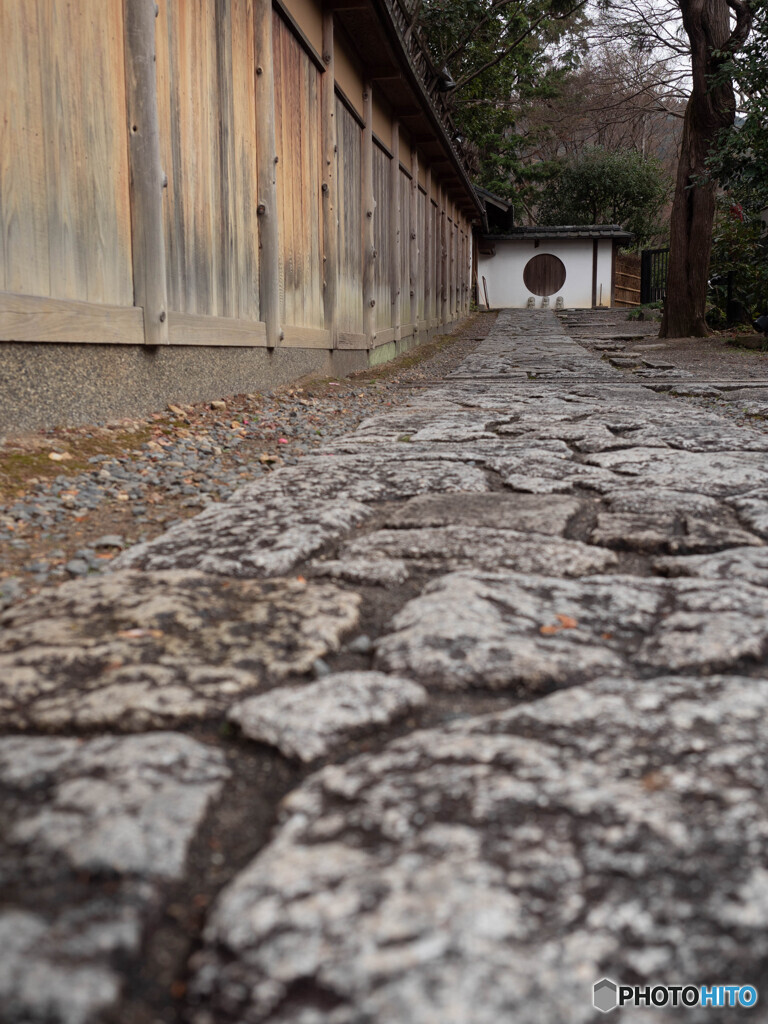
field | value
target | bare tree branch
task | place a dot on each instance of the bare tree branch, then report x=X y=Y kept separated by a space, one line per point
x=515 y=42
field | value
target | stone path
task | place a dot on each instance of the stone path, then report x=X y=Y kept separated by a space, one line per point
x=460 y=715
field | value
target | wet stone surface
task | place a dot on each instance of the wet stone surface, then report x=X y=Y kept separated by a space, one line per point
x=468 y=712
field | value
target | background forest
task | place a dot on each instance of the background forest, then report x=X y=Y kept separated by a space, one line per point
x=576 y=113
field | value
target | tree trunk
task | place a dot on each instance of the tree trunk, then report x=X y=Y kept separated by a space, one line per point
x=711 y=108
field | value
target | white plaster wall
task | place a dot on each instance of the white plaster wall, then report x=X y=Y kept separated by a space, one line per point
x=504 y=271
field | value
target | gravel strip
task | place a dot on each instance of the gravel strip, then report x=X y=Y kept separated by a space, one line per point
x=72 y=499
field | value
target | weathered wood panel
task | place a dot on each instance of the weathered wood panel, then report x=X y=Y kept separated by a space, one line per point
x=368 y=204
x=395 y=240
x=415 y=253
x=245 y=157
x=445 y=314
x=348 y=167
x=405 y=247
x=206 y=100
x=382 y=219
x=299 y=178
x=183 y=65
x=421 y=231
x=23 y=187
x=330 y=184
x=65 y=221
x=65 y=205
x=434 y=276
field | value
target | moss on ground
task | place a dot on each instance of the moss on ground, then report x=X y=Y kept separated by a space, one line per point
x=17 y=467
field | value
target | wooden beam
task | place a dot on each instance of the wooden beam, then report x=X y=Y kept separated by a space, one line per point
x=31 y=318
x=305 y=337
x=369 y=247
x=382 y=74
x=394 y=229
x=594 y=272
x=413 y=221
x=348 y=340
x=147 y=178
x=195 y=329
x=402 y=112
x=383 y=337
x=330 y=183
x=269 y=238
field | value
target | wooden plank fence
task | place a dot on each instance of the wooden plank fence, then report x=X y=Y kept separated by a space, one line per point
x=190 y=173
x=627 y=281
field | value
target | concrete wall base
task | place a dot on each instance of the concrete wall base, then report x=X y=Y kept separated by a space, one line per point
x=49 y=385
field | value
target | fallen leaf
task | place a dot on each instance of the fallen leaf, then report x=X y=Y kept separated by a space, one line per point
x=567 y=621
x=606 y=636
x=653 y=781
x=549 y=630
x=137 y=634
x=300 y=579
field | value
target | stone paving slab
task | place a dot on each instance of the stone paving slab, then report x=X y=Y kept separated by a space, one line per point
x=529 y=633
x=312 y=721
x=104 y=822
x=267 y=531
x=450 y=547
x=470 y=712
x=132 y=651
x=492 y=870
